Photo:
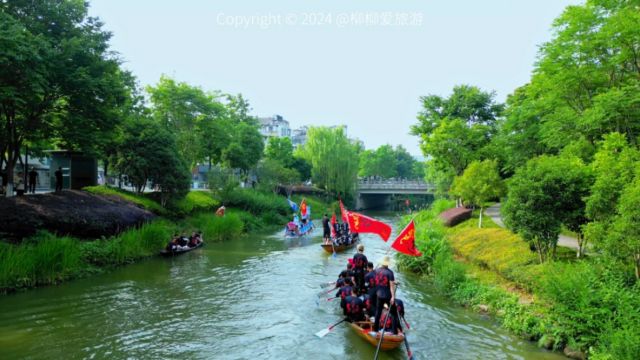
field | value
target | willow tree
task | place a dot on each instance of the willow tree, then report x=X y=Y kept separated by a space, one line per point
x=334 y=159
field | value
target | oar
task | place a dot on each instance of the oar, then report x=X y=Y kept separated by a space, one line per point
x=405 y=322
x=334 y=250
x=382 y=332
x=406 y=342
x=324 y=332
x=323 y=292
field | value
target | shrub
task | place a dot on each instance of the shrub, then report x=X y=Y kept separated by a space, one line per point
x=195 y=201
x=256 y=202
x=215 y=228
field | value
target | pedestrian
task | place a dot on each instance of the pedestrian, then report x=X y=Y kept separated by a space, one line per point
x=33 y=179
x=359 y=268
x=58 y=175
x=326 y=229
x=220 y=211
x=385 y=289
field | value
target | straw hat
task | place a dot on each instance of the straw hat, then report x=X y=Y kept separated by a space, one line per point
x=385 y=261
x=360 y=247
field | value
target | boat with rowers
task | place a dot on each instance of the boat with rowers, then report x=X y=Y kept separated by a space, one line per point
x=390 y=341
x=333 y=247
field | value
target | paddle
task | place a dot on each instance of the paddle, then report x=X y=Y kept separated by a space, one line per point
x=334 y=250
x=382 y=332
x=406 y=342
x=324 y=332
x=405 y=322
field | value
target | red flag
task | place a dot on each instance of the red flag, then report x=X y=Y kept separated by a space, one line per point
x=333 y=223
x=359 y=223
x=406 y=241
x=303 y=208
x=344 y=213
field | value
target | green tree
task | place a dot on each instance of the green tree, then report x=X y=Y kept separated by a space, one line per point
x=379 y=162
x=146 y=153
x=271 y=174
x=405 y=164
x=245 y=149
x=624 y=241
x=280 y=149
x=60 y=82
x=479 y=183
x=195 y=116
x=586 y=82
x=614 y=167
x=334 y=159
x=544 y=194
x=457 y=130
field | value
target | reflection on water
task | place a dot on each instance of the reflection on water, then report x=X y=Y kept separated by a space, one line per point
x=253 y=298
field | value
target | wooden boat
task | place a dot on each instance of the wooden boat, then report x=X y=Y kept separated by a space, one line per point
x=165 y=252
x=338 y=248
x=389 y=341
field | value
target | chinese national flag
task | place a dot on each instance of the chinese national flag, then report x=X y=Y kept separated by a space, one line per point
x=344 y=213
x=333 y=222
x=363 y=224
x=406 y=241
x=303 y=208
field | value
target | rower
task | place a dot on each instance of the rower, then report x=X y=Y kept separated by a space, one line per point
x=354 y=307
x=359 y=268
x=345 y=291
x=385 y=289
x=391 y=323
x=369 y=306
x=370 y=285
x=348 y=273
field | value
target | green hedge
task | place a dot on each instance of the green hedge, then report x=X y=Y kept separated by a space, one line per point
x=139 y=200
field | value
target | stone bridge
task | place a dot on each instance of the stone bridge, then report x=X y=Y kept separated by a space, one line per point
x=372 y=194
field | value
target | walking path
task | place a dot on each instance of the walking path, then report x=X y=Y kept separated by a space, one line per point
x=494 y=213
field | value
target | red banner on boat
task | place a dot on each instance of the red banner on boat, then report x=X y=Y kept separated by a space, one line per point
x=344 y=213
x=333 y=223
x=359 y=223
x=406 y=241
x=303 y=208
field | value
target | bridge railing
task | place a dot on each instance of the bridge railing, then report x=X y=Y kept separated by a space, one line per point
x=366 y=183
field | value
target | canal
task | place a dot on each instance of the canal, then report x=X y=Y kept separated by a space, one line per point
x=252 y=298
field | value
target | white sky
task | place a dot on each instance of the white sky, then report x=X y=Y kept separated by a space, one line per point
x=354 y=62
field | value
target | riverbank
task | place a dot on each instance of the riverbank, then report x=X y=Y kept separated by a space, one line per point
x=584 y=308
x=46 y=258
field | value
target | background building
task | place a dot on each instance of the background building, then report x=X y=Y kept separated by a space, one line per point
x=275 y=126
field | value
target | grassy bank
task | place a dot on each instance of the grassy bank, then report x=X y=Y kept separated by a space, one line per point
x=47 y=259
x=581 y=307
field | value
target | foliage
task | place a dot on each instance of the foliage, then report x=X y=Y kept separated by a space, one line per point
x=257 y=203
x=334 y=159
x=271 y=174
x=479 y=183
x=194 y=116
x=245 y=149
x=543 y=195
x=195 y=201
x=60 y=82
x=387 y=162
x=430 y=238
x=280 y=149
x=456 y=130
x=215 y=228
x=222 y=181
x=138 y=199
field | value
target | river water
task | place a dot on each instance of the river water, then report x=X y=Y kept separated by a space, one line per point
x=252 y=298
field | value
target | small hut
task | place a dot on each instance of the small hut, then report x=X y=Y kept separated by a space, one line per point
x=78 y=170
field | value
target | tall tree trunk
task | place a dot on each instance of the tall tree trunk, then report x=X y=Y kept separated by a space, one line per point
x=637 y=256
x=581 y=245
x=106 y=170
x=539 y=250
x=480 y=222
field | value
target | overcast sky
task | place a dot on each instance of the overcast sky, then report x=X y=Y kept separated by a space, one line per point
x=360 y=63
